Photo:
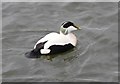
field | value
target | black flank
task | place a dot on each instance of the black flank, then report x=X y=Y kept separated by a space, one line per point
x=35 y=53
x=60 y=48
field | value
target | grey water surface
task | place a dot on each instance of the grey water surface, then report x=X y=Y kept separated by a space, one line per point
x=95 y=58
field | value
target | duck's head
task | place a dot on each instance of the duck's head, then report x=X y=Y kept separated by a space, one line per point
x=68 y=27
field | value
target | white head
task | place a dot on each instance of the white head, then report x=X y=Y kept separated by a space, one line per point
x=67 y=27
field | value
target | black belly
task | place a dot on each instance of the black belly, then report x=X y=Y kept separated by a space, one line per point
x=60 y=48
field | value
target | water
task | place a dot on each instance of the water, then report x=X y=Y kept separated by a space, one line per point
x=94 y=59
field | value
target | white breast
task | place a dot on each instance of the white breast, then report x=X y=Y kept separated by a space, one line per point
x=72 y=38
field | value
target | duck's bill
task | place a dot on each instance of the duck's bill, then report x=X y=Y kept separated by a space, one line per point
x=78 y=28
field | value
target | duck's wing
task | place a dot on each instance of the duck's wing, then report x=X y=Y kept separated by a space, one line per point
x=35 y=53
x=40 y=45
x=43 y=40
x=59 y=43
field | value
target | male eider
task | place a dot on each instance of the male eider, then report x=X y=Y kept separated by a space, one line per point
x=54 y=43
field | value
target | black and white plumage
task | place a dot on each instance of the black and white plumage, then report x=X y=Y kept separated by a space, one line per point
x=54 y=43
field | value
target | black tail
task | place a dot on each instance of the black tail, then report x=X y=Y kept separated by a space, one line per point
x=33 y=54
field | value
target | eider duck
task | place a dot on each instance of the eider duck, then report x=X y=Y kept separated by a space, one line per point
x=54 y=43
